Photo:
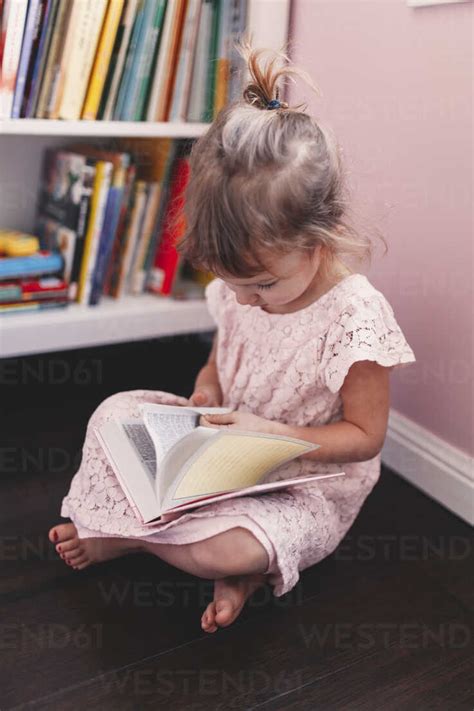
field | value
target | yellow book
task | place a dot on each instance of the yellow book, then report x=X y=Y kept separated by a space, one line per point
x=100 y=190
x=79 y=56
x=102 y=60
x=222 y=84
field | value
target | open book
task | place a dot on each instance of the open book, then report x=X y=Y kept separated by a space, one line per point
x=167 y=463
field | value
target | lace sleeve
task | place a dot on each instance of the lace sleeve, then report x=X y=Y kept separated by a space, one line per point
x=217 y=300
x=365 y=330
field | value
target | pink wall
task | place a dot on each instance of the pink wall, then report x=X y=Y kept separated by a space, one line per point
x=397 y=91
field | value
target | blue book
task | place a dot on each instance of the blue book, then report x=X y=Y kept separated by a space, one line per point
x=107 y=236
x=127 y=77
x=33 y=265
x=31 y=19
x=136 y=69
x=41 y=56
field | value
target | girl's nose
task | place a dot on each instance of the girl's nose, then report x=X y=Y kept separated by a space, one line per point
x=246 y=299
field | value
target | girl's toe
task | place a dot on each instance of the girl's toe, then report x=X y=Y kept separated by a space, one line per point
x=67 y=546
x=62 y=532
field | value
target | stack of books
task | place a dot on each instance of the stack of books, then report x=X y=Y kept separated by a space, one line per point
x=115 y=215
x=30 y=279
x=126 y=60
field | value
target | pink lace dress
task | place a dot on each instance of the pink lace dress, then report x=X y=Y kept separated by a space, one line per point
x=284 y=367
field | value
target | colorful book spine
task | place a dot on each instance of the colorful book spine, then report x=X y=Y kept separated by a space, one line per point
x=42 y=262
x=77 y=61
x=212 y=63
x=102 y=60
x=166 y=62
x=111 y=220
x=16 y=18
x=33 y=290
x=133 y=85
x=131 y=237
x=94 y=228
x=137 y=270
x=239 y=14
x=127 y=77
x=145 y=69
x=53 y=59
x=222 y=59
x=113 y=265
x=167 y=257
x=32 y=92
x=32 y=306
x=197 y=99
x=34 y=12
x=117 y=63
x=184 y=71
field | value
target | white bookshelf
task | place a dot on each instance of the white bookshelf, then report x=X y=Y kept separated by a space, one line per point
x=101 y=129
x=131 y=318
x=22 y=143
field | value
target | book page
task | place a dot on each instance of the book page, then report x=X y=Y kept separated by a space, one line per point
x=235 y=461
x=143 y=445
x=167 y=429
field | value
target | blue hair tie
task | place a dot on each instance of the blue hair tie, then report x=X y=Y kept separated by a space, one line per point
x=273 y=104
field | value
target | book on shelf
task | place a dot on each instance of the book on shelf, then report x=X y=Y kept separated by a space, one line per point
x=39 y=264
x=28 y=290
x=129 y=60
x=166 y=463
x=64 y=198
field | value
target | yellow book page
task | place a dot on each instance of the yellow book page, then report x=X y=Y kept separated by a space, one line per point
x=233 y=462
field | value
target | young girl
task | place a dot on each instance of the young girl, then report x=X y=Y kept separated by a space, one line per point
x=304 y=347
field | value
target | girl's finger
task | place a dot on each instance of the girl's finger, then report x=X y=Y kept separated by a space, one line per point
x=226 y=419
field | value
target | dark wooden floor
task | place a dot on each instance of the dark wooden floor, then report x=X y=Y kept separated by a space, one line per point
x=383 y=623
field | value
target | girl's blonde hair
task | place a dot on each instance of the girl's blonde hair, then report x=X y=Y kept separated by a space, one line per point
x=265 y=182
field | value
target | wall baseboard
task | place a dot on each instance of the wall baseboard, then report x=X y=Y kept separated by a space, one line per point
x=440 y=470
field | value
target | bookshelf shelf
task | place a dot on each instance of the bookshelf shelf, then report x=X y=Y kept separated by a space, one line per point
x=136 y=129
x=128 y=319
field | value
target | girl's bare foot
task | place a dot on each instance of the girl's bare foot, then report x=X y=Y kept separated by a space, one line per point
x=79 y=553
x=230 y=595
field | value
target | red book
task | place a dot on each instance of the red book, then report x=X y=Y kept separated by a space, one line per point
x=166 y=258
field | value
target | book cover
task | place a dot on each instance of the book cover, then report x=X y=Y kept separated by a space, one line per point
x=102 y=59
x=63 y=206
x=178 y=465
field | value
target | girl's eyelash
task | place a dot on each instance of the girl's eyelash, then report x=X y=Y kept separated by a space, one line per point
x=266 y=286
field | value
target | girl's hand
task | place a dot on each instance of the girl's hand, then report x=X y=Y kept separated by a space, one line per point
x=206 y=396
x=239 y=421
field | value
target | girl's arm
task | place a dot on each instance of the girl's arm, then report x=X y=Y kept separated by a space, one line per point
x=360 y=435
x=207 y=389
